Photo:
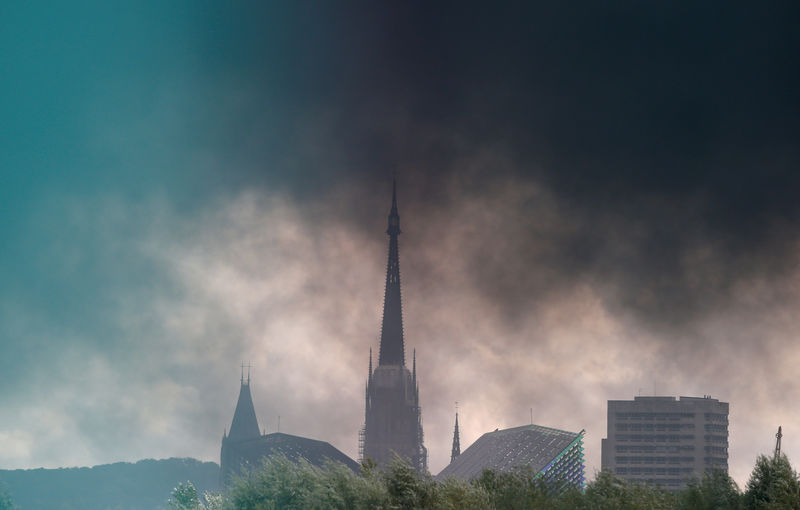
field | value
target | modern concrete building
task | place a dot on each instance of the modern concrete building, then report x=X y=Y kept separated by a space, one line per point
x=666 y=441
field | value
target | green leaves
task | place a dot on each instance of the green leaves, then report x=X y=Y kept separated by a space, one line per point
x=280 y=484
x=185 y=497
x=773 y=485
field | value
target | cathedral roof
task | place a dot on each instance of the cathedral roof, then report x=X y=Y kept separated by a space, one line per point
x=318 y=453
x=244 y=424
x=503 y=450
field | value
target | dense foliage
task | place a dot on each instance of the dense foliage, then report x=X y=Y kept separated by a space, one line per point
x=284 y=485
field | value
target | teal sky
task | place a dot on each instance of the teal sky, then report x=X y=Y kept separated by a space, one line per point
x=592 y=197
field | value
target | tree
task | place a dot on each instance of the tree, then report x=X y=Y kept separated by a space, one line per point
x=516 y=489
x=608 y=492
x=715 y=491
x=184 y=497
x=773 y=485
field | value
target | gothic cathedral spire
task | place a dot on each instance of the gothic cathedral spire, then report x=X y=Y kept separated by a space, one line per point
x=392 y=349
x=393 y=417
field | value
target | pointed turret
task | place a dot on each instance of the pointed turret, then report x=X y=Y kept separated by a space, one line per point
x=245 y=424
x=392 y=350
x=456 y=451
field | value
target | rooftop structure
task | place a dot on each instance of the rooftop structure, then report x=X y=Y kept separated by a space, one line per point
x=551 y=453
x=666 y=441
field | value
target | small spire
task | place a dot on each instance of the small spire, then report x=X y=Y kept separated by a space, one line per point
x=456 y=451
x=369 y=377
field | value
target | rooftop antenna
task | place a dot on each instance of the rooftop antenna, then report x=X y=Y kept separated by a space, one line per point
x=778 y=437
x=279 y=423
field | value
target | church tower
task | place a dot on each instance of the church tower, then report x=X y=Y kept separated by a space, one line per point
x=393 y=419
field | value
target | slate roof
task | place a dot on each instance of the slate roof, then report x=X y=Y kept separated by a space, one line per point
x=251 y=452
x=503 y=450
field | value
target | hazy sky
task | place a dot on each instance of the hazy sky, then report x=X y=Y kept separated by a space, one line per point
x=598 y=200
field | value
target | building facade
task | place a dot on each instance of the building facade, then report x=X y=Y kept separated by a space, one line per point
x=666 y=441
x=393 y=418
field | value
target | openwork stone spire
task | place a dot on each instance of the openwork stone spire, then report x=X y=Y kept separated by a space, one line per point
x=392 y=350
x=456 y=451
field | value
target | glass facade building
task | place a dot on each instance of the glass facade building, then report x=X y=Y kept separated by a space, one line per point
x=551 y=453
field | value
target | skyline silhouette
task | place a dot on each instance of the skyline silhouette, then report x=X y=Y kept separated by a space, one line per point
x=596 y=199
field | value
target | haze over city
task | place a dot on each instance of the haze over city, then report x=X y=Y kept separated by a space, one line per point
x=598 y=201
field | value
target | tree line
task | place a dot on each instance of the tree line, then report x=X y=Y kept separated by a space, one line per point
x=284 y=485
x=280 y=484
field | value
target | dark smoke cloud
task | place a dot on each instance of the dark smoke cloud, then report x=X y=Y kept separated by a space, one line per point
x=593 y=196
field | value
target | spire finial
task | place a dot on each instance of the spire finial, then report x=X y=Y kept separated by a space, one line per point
x=241 y=377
